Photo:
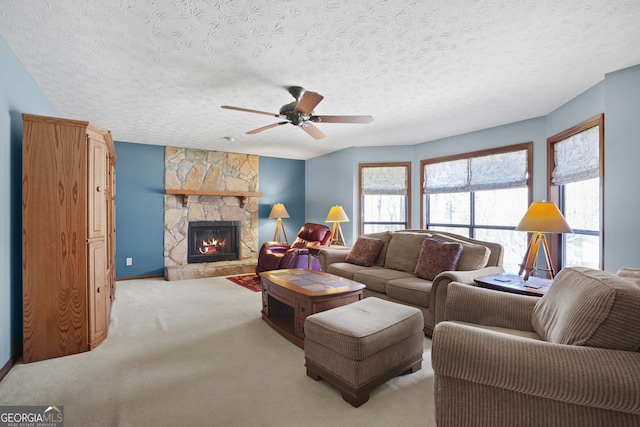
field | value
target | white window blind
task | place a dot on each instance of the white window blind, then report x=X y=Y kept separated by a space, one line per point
x=577 y=158
x=491 y=172
x=388 y=180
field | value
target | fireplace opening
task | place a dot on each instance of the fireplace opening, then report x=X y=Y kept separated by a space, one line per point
x=210 y=241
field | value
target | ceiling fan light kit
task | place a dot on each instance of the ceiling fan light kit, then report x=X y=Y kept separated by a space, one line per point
x=300 y=113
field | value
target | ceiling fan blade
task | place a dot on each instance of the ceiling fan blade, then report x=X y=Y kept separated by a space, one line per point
x=308 y=102
x=312 y=130
x=247 y=110
x=342 y=119
x=253 y=132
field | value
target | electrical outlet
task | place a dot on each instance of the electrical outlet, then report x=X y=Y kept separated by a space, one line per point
x=129 y=261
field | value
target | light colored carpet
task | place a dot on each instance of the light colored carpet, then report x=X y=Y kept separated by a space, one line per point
x=196 y=352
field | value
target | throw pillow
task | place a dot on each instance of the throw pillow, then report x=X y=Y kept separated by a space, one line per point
x=437 y=256
x=365 y=251
x=589 y=307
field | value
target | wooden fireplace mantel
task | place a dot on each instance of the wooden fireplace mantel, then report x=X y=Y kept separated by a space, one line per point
x=243 y=195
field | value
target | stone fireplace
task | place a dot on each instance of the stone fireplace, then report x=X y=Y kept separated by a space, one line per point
x=203 y=188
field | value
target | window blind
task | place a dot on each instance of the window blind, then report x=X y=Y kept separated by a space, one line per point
x=491 y=172
x=577 y=158
x=388 y=180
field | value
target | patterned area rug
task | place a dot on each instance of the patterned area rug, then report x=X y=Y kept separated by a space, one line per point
x=249 y=281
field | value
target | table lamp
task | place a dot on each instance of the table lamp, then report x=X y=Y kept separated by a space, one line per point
x=279 y=211
x=541 y=217
x=336 y=215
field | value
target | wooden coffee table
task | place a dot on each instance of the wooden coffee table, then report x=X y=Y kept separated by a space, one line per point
x=289 y=296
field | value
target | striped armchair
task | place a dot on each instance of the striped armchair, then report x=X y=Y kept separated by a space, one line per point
x=570 y=358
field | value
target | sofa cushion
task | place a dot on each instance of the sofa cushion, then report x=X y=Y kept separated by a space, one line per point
x=365 y=251
x=591 y=308
x=473 y=257
x=344 y=269
x=437 y=256
x=412 y=290
x=404 y=250
x=376 y=278
x=385 y=236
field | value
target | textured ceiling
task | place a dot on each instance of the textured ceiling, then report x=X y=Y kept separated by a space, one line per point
x=157 y=72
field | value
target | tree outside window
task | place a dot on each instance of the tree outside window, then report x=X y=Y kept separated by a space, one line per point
x=384 y=196
x=482 y=195
x=575 y=159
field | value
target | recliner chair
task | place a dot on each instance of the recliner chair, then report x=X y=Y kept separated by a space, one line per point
x=277 y=255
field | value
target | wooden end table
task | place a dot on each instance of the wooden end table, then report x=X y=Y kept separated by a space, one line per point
x=535 y=286
x=289 y=296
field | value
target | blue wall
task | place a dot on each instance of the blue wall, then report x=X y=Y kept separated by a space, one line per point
x=18 y=94
x=622 y=174
x=281 y=181
x=139 y=209
x=617 y=96
x=140 y=204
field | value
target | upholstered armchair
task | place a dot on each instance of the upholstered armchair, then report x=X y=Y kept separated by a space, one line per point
x=569 y=358
x=276 y=255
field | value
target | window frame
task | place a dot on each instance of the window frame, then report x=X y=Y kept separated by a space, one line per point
x=554 y=192
x=528 y=146
x=361 y=166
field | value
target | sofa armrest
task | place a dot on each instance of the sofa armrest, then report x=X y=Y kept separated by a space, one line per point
x=442 y=280
x=331 y=256
x=488 y=307
x=579 y=375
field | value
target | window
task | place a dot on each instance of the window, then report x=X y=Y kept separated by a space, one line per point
x=384 y=196
x=575 y=184
x=482 y=195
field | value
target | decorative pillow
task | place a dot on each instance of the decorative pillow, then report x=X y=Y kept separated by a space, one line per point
x=590 y=308
x=385 y=236
x=437 y=256
x=403 y=251
x=473 y=257
x=365 y=251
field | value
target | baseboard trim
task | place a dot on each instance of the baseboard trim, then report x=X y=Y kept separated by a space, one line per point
x=14 y=358
x=147 y=276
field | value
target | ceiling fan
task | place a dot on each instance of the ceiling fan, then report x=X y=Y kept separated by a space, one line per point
x=300 y=113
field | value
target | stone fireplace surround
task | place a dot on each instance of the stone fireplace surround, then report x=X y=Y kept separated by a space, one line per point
x=214 y=171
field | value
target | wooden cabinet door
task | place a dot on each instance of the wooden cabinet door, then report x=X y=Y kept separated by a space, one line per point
x=98 y=293
x=97 y=189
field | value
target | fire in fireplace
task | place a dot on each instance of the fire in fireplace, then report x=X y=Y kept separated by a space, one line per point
x=210 y=241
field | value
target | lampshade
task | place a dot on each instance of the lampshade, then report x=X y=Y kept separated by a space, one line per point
x=544 y=217
x=337 y=214
x=279 y=211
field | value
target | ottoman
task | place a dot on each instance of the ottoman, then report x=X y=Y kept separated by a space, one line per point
x=359 y=346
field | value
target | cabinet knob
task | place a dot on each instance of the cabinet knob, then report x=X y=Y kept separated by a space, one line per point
x=300 y=309
x=301 y=329
x=98 y=188
x=98 y=290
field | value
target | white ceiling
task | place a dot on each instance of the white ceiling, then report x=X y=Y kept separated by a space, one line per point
x=157 y=71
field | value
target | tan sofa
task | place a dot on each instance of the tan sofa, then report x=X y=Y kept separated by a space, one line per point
x=392 y=275
x=569 y=358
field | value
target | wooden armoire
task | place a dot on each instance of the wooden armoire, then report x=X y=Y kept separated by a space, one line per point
x=68 y=236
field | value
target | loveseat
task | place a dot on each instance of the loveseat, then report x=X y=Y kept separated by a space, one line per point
x=570 y=358
x=409 y=270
